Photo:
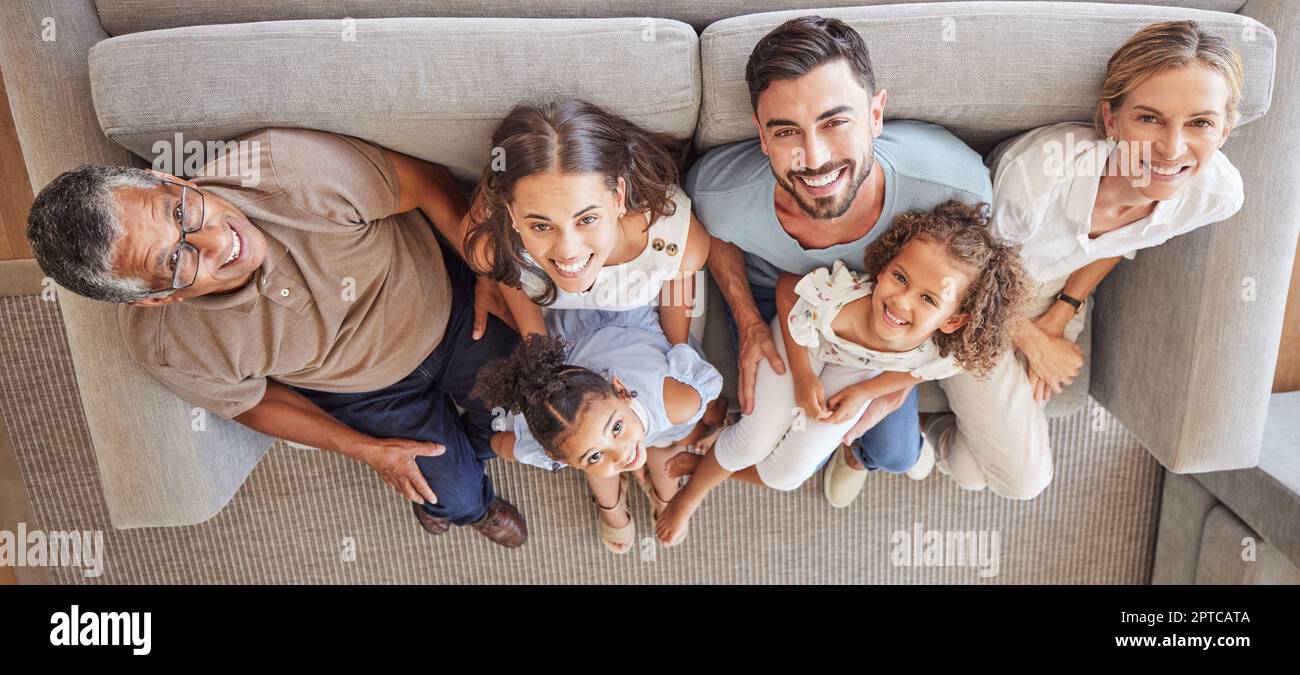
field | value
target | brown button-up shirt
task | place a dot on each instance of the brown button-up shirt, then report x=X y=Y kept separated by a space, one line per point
x=351 y=297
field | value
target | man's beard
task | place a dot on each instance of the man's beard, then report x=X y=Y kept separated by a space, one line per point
x=826 y=208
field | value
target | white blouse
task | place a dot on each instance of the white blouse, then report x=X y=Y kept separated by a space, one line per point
x=822 y=294
x=1044 y=188
x=637 y=282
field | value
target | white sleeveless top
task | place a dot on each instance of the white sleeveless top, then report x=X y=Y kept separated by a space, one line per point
x=637 y=282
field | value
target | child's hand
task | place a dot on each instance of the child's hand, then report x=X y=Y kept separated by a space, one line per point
x=503 y=444
x=846 y=404
x=810 y=395
x=705 y=443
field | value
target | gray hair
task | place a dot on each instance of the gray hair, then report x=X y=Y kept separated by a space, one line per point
x=74 y=225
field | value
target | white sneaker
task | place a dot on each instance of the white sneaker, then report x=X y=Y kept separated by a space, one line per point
x=841 y=482
x=924 y=463
x=930 y=458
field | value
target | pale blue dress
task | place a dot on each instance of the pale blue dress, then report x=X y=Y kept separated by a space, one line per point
x=631 y=346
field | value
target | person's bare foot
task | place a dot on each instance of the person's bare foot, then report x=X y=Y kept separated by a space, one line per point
x=672 y=523
x=681 y=464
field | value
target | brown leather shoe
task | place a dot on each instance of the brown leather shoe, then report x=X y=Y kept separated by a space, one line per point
x=431 y=523
x=503 y=524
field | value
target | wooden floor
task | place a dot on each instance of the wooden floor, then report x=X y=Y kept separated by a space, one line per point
x=15 y=200
x=15 y=188
x=1287 y=377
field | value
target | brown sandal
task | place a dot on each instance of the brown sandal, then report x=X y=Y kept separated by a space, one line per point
x=613 y=537
x=657 y=503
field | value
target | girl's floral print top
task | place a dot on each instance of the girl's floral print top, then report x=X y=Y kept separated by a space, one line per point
x=822 y=294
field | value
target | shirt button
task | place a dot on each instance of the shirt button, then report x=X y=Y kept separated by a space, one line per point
x=284 y=292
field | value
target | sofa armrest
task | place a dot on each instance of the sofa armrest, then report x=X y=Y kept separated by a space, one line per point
x=1267 y=497
x=1187 y=333
x=157 y=463
x=1232 y=553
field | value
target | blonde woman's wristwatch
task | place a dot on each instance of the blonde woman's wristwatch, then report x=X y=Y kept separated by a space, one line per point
x=1076 y=303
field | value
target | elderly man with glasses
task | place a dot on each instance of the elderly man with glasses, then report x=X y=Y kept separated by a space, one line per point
x=315 y=304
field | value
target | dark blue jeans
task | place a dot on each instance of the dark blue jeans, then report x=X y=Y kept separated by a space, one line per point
x=894 y=444
x=422 y=406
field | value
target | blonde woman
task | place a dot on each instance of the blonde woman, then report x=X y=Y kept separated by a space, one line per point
x=1078 y=198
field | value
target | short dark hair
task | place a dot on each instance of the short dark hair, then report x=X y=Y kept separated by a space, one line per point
x=74 y=225
x=799 y=45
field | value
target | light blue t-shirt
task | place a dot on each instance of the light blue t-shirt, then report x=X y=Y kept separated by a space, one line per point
x=733 y=191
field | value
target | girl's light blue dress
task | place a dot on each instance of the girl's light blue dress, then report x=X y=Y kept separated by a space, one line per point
x=631 y=346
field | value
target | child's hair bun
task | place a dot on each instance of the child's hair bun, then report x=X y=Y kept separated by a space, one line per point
x=527 y=376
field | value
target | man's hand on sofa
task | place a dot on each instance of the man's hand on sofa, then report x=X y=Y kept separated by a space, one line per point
x=394 y=460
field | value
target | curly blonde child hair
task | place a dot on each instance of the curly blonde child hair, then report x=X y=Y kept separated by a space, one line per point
x=999 y=294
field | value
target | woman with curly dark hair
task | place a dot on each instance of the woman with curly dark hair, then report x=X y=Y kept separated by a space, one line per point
x=940 y=295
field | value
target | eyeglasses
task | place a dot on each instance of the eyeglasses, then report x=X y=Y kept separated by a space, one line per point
x=184 y=258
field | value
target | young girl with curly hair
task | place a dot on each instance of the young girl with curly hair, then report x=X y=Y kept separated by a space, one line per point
x=940 y=294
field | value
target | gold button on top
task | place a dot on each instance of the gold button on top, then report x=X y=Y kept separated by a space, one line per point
x=284 y=292
x=671 y=250
x=657 y=244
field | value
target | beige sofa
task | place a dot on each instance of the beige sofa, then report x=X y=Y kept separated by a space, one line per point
x=113 y=448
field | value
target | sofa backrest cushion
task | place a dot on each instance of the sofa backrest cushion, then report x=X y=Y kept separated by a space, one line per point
x=984 y=70
x=120 y=17
x=431 y=88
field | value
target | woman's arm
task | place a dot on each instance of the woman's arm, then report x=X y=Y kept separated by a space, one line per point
x=1054 y=360
x=677 y=297
x=528 y=314
x=1079 y=286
